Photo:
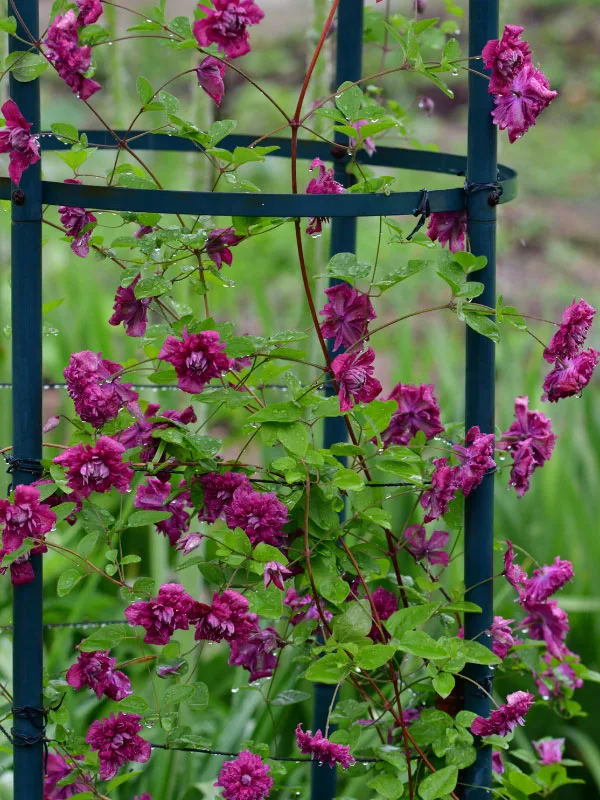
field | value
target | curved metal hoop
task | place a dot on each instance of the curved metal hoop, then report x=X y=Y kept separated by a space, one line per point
x=113 y=198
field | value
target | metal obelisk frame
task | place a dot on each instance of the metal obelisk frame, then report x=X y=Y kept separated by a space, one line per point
x=482 y=169
x=26 y=269
x=26 y=306
x=348 y=67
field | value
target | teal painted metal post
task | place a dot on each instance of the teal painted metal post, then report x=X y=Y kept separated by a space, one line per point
x=26 y=303
x=343 y=240
x=479 y=506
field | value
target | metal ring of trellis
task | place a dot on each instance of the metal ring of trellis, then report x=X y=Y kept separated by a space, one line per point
x=486 y=186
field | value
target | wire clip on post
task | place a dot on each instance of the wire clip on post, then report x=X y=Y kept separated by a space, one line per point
x=423 y=210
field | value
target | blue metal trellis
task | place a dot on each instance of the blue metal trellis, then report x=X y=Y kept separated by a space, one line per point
x=481 y=170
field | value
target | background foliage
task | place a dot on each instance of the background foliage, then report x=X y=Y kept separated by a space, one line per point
x=548 y=243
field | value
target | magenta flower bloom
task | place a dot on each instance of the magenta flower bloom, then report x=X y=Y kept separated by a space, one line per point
x=227 y=618
x=424 y=549
x=368 y=143
x=276 y=573
x=210 y=74
x=90 y=11
x=56 y=770
x=418 y=410
x=130 y=311
x=514 y=574
x=522 y=101
x=323 y=183
x=171 y=610
x=385 y=604
x=140 y=433
x=570 y=377
x=547 y=580
x=550 y=751
x=97 y=671
x=226 y=25
x=25 y=516
x=475 y=457
x=354 y=375
x=144 y=796
x=96 y=469
x=15 y=138
x=322 y=750
x=347 y=313
x=70 y=61
x=77 y=222
x=218 y=243
x=256 y=653
x=143 y=230
x=557 y=678
x=218 y=493
x=304 y=607
x=97 y=396
x=502 y=636
x=569 y=339
x=116 y=741
x=530 y=441
x=189 y=543
x=497 y=763
x=246 y=778
x=445 y=483
x=506 y=718
x=548 y=623
x=448 y=228
x=154 y=497
x=506 y=58
x=260 y=515
x=197 y=359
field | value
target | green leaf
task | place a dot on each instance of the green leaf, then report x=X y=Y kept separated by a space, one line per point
x=294 y=437
x=289 y=697
x=348 y=480
x=67 y=581
x=64 y=131
x=413 y=267
x=266 y=552
x=450 y=53
x=8 y=24
x=63 y=510
x=482 y=324
x=267 y=602
x=181 y=26
x=144 y=90
x=277 y=412
x=421 y=644
x=523 y=783
x=134 y=704
x=120 y=779
x=443 y=683
x=151 y=287
x=387 y=785
x=140 y=518
x=347 y=266
x=354 y=623
x=439 y=783
x=373 y=656
x=179 y=693
x=476 y=653
x=25 y=67
x=407 y=619
x=435 y=79
x=106 y=638
x=87 y=544
x=349 y=99
x=330 y=669
x=132 y=181
x=463 y=605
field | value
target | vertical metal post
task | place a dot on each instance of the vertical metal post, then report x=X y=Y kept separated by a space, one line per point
x=26 y=304
x=348 y=67
x=480 y=354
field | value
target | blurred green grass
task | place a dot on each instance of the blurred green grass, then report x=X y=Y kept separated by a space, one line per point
x=548 y=241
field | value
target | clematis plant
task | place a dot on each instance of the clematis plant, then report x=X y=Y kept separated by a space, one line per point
x=292 y=589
